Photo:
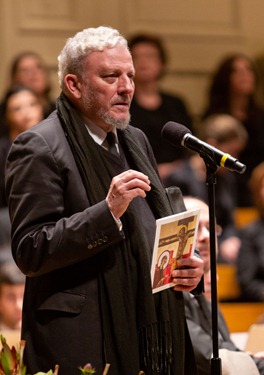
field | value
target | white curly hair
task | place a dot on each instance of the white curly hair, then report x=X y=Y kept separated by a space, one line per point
x=81 y=45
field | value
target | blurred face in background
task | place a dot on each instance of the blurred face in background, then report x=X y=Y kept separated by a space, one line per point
x=32 y=73
x=23 y=110
x=11 y=301
x=242 y=79
x=203 y=239
x=147 y=62
x=203 y=235
x=232 y=147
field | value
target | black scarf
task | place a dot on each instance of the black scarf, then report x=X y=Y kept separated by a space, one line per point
x=138 y=328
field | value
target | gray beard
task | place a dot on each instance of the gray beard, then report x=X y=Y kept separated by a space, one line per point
x=119 y=124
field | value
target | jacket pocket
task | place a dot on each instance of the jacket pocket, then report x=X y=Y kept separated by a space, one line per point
x=62 y=301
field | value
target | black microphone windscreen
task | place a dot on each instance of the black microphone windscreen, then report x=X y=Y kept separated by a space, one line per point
x=174 y=132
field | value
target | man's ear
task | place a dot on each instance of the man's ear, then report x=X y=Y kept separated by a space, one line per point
x=73 y=85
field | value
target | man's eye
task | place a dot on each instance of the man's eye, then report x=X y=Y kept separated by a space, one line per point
x=110 y=78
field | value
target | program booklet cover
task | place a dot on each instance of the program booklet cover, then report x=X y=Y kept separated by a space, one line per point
x=175 y=238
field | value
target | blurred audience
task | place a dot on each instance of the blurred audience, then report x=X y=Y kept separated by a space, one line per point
x=198 y=314
x=151 y=107
x=227 y=134
x=250 y=262
x=29 y=69
x=21 y=110
x=233 y=90
x=12 y=285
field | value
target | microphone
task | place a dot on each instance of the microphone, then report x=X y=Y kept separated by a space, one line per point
x=180 y=135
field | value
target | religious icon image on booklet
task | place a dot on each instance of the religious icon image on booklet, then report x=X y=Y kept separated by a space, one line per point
x=175 y=238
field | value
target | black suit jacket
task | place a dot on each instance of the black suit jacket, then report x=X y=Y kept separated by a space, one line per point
x=57 y=238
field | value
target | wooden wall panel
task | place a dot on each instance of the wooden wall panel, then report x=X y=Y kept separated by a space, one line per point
x=203 y=17
x=49 y=15
x=44 y=25
x=197 y=34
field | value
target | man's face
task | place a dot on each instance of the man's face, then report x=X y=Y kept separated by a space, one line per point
x=11 y=300
x=107 y=87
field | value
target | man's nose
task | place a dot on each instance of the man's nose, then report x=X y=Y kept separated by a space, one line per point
x=126 y=84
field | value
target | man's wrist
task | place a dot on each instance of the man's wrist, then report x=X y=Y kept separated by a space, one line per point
x=118 y=222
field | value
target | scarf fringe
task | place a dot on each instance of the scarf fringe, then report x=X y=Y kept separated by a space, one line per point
x=156 y=348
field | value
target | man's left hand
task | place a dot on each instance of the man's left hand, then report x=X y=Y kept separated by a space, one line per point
x=188 y=274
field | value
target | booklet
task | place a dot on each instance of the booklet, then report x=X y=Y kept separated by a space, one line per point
x=175 y=238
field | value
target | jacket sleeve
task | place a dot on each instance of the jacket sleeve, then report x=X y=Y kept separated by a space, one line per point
x=47 y=232
x=201 y=340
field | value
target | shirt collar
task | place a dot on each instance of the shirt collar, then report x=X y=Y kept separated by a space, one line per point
x=96 y=132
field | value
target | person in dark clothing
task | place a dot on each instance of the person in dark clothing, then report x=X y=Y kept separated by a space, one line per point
x=151 y=107
x=28 y=69
x=21 y=110
x=83 y=208
x=233 y=91
x=227 y=134
x=198 y=311
x=250 y=262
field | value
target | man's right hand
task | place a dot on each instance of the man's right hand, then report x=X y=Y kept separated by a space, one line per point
x=124 y=188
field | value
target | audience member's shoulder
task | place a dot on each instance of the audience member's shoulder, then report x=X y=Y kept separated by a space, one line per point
x=253 y=229
x=50 y=122
x=49 y=129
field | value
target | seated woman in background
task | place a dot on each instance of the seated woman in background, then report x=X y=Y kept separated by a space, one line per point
x=227 y=134
x=21 y=110
x=250 y=262
x=29 y=69
x=233 y=90
x=152 y=108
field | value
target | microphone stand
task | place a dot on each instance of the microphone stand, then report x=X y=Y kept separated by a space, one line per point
x=211 y=169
